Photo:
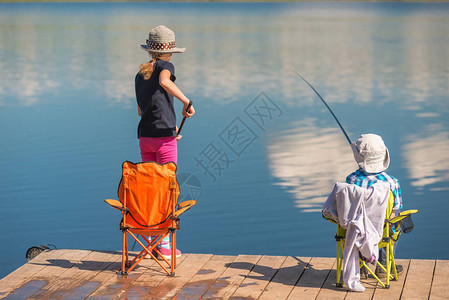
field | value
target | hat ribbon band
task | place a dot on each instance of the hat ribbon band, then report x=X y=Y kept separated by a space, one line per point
x=160 y=46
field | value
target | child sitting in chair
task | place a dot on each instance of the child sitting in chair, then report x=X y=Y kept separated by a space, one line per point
x=373 y=159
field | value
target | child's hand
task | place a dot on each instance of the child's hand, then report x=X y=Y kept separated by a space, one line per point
x=178 y=136
x=188 y=113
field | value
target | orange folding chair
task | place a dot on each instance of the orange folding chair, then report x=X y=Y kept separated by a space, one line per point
x=148 y=194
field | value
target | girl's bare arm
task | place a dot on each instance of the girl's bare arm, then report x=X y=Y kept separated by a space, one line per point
x=172 y=89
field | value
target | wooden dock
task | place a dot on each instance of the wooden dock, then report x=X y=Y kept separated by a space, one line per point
x=85 y=274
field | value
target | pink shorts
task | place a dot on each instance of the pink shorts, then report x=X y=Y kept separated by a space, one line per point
x=159 y=149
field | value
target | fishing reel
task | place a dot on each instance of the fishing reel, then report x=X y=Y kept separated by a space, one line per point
x=36 y=250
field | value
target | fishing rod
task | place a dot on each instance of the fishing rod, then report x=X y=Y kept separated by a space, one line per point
x=338 y=122
x=184 y=119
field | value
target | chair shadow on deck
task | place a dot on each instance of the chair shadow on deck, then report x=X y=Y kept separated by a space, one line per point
x=303 y=274
x=87 y=264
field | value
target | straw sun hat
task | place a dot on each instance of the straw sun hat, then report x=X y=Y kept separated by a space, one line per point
x=161 y=40
x=371 y=154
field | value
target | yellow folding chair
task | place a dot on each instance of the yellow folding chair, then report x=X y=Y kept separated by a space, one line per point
x=391 y=232
x=148 y=200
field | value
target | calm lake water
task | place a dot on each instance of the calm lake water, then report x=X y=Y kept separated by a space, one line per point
x=261 y=154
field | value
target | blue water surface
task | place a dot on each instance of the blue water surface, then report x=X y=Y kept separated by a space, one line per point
x=261 y=154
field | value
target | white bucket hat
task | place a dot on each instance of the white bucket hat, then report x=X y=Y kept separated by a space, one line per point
x=371 y=153
x=161 y=40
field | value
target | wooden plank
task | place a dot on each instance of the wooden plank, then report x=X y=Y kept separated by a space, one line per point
x=80 y=274
x=72 y=276
x=169 y=286
x=419 y=279
x=205 y=277
x=18 y=277
x=396 y=287
x=92 y=283
x=312 y=280
x=370 y=285
x=114 y=285
x=26 y=290
x=285 y=279
x=440 y=283
x=44 y=268
x=144 y=284
x=329 y=290
x=88 y=266
x=229 y=281
x=259 y=277
x=109 y=272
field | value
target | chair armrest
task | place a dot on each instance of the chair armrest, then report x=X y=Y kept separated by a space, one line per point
x=115 y=204
x=408 y=212
x=184 y=206
x=403 y=215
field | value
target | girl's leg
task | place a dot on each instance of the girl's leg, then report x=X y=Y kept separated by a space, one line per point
x=165 y=248
x=147 y=153
x=167 y=151
x=160 y=150
x=147 y=149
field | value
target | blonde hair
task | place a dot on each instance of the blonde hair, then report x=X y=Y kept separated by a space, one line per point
x=146 y=69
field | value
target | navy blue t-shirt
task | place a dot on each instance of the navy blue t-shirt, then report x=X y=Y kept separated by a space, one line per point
x=158 y=114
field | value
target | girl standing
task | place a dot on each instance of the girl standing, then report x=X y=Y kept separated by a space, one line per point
x=155 y=90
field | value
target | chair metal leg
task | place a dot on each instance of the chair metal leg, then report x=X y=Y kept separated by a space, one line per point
x=340 y=254
x=393 y=263
x=124 y=254
x=148 y=252
x=387 y=275
x=173 y=253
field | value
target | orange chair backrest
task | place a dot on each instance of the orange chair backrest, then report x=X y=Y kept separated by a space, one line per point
x=150 y=191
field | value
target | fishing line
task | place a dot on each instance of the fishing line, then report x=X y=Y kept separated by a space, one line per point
x=132 y=249
x=330 y=110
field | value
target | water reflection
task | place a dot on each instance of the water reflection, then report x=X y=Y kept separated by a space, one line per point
x=308 y=160
x=427 y=159
x=383 y=68
x=47 y=52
